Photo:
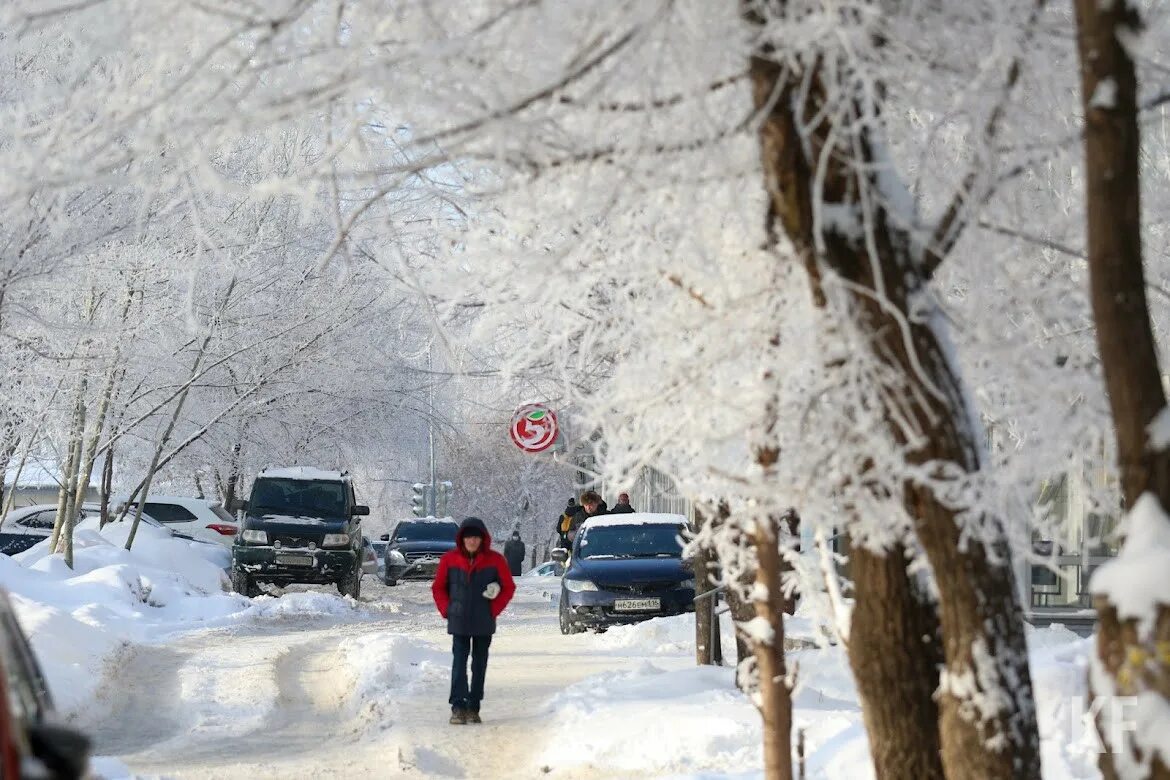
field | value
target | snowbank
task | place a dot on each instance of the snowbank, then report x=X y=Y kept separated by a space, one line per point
x=299 y=605
x=78 y=620
x=1068 y=740
x=386 y=666
x=661 y=636
x=714 y=732
x=709 y=727
x=676 y=635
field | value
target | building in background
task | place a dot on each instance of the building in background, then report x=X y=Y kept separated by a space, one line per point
x=39 y=482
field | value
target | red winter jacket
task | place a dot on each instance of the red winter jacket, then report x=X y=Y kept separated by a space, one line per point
x=461 y=580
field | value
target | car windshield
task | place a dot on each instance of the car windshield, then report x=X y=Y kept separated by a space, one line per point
x=297 y=497
x=426 y=532
x=631 y=541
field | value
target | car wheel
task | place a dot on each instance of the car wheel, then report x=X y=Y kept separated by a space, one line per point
x=566 y=621
x=352 y=585
x=243 y=584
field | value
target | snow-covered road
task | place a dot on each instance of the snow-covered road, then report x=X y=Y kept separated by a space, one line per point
x=356 y=694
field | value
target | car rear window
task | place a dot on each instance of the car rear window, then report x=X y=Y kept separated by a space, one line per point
x=169 y=513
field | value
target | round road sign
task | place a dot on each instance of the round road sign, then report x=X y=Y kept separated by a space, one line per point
x=534 y=428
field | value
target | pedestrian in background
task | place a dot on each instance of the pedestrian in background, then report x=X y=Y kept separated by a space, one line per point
x=514 y=553
x=561 y=529
x=623 y=505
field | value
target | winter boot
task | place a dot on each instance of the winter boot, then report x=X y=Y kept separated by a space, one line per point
x=473 y=716
x=458 y=716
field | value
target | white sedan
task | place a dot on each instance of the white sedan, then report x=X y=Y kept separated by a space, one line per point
x=198 y=518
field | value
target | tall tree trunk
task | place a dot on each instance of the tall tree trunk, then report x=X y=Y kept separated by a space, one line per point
x=704 y=610
x=767 y=637
x=895 y=655
x=1132 y=659
x=707 y=649
x=9 y=444
x=107 y=486
x=873 y=282
x=62 y=537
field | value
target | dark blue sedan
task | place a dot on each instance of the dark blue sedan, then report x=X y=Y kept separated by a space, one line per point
x=626 y=569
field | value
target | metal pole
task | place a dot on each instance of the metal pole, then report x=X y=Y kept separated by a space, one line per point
x=432 y=492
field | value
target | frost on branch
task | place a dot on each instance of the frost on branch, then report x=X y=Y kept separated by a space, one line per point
x=1137 y=582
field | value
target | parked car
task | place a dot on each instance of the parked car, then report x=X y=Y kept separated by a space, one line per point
x=369 y=558
x=380 y=552
x=415 y=546
x=28 y=526
x=546 y=569
x=301 y=525
x=625 y=569
x=33 y=742
x=194 y=517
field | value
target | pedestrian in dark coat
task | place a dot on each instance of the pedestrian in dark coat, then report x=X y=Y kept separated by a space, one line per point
x=623 y=505
x=561 y=529
x=471 y=588
x=514 y=554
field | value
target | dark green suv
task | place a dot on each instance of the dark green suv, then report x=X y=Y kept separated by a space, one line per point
x=301 y=525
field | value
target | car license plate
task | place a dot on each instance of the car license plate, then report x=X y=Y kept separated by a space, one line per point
x=294 y=560
x=637 y=605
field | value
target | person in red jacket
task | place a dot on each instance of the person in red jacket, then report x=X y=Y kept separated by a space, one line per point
x=471 y=588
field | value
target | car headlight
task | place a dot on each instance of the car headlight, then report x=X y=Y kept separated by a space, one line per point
x=576 y=586
x=335 y=540
x=397 y=558
x=686 y=585
x=255 y=537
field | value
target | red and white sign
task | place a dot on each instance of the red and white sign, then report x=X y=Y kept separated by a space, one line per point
x=534 y=428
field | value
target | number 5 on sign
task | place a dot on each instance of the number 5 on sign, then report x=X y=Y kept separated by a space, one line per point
x=534 y=428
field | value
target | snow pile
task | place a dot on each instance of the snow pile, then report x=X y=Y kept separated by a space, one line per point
x=386 y=666
x=299 y=605
x=650 y=720
x=1068 y=739
x=673 y=635
x=713 y=731
x=78 y=620
x=676 y=635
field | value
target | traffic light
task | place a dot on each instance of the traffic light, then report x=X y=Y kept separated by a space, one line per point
x=443 y=499
x=418 y=499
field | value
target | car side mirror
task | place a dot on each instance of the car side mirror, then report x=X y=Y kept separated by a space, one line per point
x=238 y=505
x=361 y=510
x=64 y=751
x=385 y=537
x=560 y=555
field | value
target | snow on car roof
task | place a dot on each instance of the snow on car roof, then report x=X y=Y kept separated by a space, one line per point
x=293 y=519
x=428 y=519
x=635 y=518
x=305 y=472
x=151 y=498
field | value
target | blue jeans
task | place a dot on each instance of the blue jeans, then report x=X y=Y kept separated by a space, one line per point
x=477 y=648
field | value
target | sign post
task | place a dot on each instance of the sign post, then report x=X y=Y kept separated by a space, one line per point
x=534 y=428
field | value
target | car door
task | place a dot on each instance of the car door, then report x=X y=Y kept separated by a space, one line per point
x=25 y=531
